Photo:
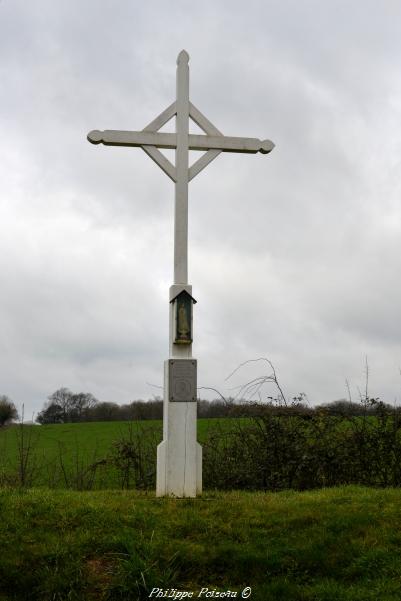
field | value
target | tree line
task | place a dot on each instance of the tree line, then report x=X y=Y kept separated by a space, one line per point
x=64 y=406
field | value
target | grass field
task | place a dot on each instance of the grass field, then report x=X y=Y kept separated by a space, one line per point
x=78 y=445
x=340 y=544
x=242 y=453
x=89 y=435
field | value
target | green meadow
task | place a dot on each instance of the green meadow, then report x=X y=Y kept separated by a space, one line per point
x=74 y=447
x=91 y=438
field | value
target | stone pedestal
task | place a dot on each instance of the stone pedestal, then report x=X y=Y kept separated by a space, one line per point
x=179 y=455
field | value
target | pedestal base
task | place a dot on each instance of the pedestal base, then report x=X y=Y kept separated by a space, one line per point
x=179 y=455
x=179 y=479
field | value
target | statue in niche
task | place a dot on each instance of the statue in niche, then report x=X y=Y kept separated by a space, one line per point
x=183 y=317
x=183 y=326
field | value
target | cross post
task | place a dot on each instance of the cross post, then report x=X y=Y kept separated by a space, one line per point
x=179 y=455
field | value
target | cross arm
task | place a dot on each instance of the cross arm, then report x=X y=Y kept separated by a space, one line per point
x=229 y=144
x=112 y=137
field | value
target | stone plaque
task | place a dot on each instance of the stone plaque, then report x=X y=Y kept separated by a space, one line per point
x=182 y=380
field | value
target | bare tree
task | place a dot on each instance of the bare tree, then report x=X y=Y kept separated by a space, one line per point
x=80 y=405
x=8 y=411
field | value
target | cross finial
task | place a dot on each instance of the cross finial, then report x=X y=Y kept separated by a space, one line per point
x=183 y=57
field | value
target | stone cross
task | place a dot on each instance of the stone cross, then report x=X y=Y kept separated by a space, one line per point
x=179 y=456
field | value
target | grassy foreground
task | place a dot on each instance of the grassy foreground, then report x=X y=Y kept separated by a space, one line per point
x=337 y=544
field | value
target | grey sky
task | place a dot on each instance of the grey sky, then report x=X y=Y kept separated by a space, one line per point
x=294 y=256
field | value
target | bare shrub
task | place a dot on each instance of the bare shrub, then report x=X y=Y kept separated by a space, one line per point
x=27 y=439
x=81 y=472
x=134 y=456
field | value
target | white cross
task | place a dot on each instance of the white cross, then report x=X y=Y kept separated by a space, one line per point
x=214 y=142
x=179 y=456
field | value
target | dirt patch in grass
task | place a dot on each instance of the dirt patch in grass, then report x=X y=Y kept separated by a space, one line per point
x=99 y=574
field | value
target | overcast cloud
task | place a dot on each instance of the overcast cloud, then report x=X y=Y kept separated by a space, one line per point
x=294 y=256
